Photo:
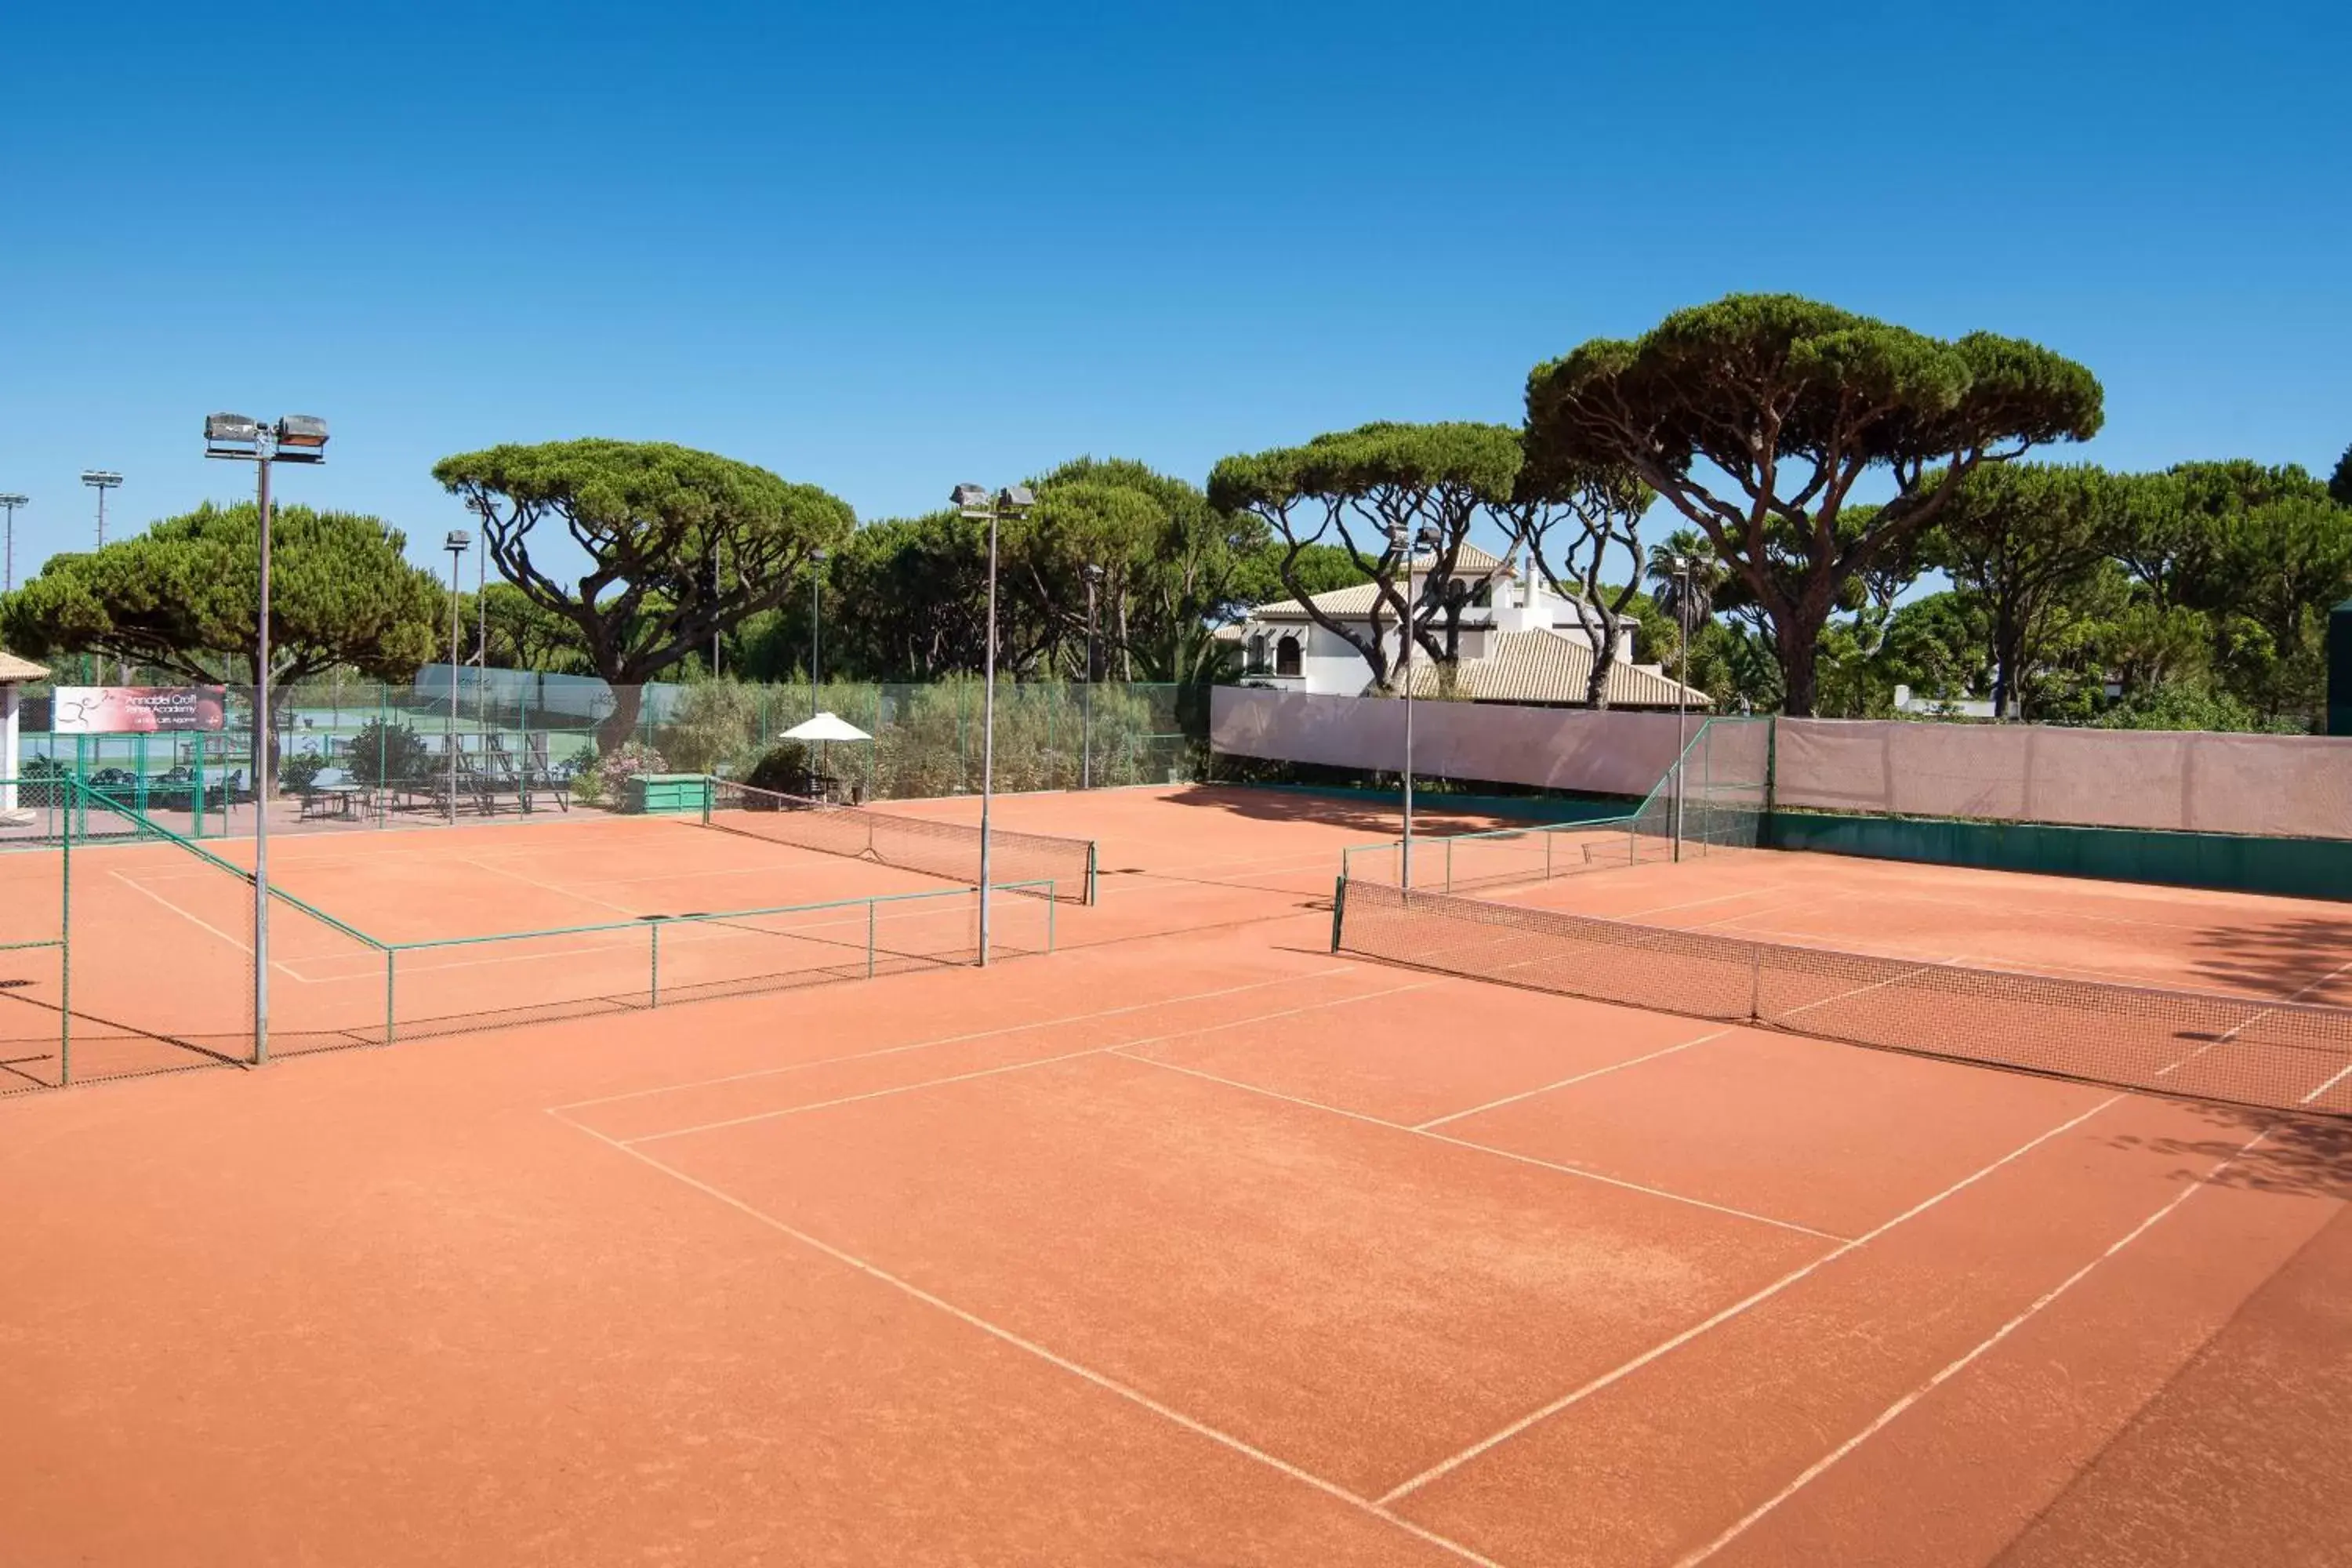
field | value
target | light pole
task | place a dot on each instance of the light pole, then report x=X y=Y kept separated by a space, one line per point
x=973 y=502
x=457 y=544
x=481 y=505
x=1094 y=576
x=1399 y=540
x=817 y=558
x=102 y=481
x=8 y=575
x=296 y=439
x=1683 y=567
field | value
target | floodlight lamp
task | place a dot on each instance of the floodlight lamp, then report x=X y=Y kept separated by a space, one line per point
x=303 y=438
x=13 y=500
x=820 y=555
x=103 y=478
x=1092 y=573
x=1016 y=499
x=971 y=499
x=459 y=541
x=221 y=428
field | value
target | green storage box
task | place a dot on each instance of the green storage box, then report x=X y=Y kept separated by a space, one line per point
x=667 y=793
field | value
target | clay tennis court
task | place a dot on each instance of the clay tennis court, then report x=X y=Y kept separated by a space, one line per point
x=1192 y=1242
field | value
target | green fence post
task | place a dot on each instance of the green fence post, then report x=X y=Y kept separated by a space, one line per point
x=1339 y=904
x=522 y=739
x=196 y=800
x=1706 y=789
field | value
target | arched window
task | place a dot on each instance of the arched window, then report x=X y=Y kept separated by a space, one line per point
x=1286 y=656
x=1256 y=660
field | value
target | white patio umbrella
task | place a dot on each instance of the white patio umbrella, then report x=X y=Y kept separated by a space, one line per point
x=826 y=726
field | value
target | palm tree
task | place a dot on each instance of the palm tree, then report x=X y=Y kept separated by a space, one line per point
x=1667 y=581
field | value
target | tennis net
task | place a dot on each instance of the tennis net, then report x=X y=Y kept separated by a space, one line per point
x=945 y=850
x=1714 y=797
x=2281 y=1056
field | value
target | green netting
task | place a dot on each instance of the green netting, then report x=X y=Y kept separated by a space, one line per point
x=127 y=947
x=518 y=742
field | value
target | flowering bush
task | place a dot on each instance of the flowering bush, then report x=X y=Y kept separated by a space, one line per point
x=605 y=782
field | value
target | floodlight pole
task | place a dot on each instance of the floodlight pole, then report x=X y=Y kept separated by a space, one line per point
x=1402 y=540
x=816 y=621
x=988 y=731
x=974 y=502
x=260 y=776
x=9 y=503
x=102 y=481
x=1682 y=576
x=1093 y=575
x=455 y=543
x=233 y=435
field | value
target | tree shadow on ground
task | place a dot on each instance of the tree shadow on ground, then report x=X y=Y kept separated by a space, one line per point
x=2308 y=1155
x=1372 y=819
x=2298 y=958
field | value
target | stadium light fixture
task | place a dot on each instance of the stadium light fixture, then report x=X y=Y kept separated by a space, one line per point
x=1409 y=545
x=456 y=541
x=242 y=439
x=974 y=502
x=817 y=558
x=9 y=503
x=1094 y=576
x=102 y=481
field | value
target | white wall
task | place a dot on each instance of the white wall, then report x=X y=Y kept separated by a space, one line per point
x=1611 y=752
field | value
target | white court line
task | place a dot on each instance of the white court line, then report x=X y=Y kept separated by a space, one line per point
x=244 y=947
x=1017 y=1067
x=1577 y=1078
x=2331 y=1083
x=2226 y=1036
x=1509 y=1154
x=1544 y=1413
x=1820 y=1467
x=1063 y=1364
x=959 y=1039
x=548 y=887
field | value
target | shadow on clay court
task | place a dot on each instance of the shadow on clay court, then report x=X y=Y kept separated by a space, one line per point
x=2299 y=1155
x=2290 y=957
x=1376 y=818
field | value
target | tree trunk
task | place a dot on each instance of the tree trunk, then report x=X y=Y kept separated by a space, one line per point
x=1798 y=644
x=2007 y=640
x=1604 y=658
x=619 y=726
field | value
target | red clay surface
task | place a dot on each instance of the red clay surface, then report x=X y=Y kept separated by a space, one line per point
x=1190 y=1243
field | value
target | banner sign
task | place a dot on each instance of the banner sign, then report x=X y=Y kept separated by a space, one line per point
x=136 y=709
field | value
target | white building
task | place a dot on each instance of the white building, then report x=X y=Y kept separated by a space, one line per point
x=1520 y=643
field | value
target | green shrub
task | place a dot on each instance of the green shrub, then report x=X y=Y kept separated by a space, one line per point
x=382 y=753
x=297 y=772
x=717 y=722
x=784 y=767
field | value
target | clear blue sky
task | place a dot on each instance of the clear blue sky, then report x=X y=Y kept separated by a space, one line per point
x=890 y=247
